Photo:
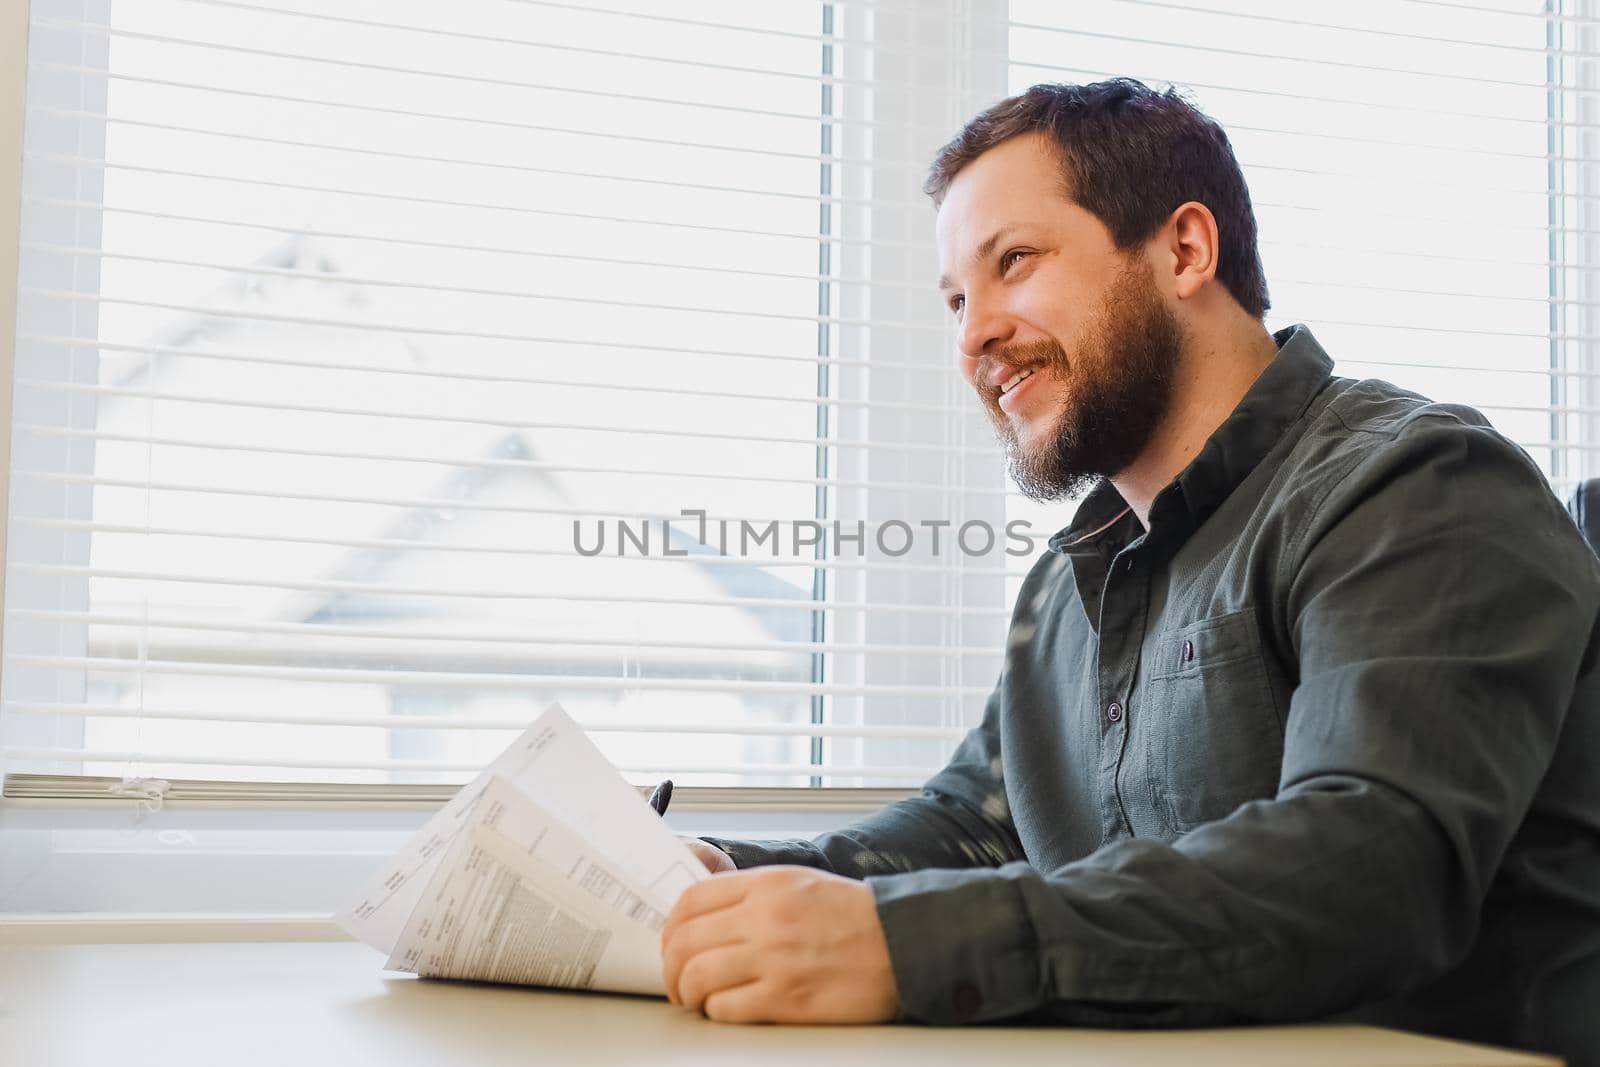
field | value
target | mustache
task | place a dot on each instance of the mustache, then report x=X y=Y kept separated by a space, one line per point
x=1016 y=357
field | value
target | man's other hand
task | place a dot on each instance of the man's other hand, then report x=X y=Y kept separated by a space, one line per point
x=779 y=944
x=716 y=861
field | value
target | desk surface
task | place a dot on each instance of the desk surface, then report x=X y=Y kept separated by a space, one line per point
x=309 y=1004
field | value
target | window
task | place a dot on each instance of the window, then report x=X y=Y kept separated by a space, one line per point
x=382 y=376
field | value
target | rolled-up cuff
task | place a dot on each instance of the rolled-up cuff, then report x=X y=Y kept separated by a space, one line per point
x=768 y=853
x=961 y=943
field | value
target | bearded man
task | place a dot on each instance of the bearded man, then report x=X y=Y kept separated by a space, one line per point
x=1299 y=715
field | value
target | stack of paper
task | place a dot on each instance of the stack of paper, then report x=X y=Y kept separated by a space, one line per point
x=547 y=869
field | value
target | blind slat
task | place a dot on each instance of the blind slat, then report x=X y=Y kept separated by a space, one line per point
x=1375 y=177
x=1068 y=72
x=1513 y=14
x=1564 y=18
x=457 y=375
x=511 y=424
x=1186 y=8
x=324 y=630
x=527 y=127
x=477 y=725
x=469 y=680
x=486 y=164
x=122 y=32
x=742 y=271
x=716 y=107
x=476 y=120
x=503 y=294
x=969 y=568
x=474 y=462
x=833 y=483
x=19 y=753
x=439 y=503
x=480 y=335
x=1365 y=211
x=324 y=277
x=96 y=166
x=506 y=294
x=1368 y=30
x=394 y=589
x=730 y=68
x=1542 y=371
x=58 y=294
x=1241 y=53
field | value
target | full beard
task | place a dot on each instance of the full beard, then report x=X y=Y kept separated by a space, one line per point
x=1113 y=394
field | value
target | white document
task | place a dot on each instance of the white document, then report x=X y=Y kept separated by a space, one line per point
x=558 y=805
x=518 y=897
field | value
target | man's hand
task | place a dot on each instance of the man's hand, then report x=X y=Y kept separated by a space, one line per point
x=779 y=944
x=716 y=861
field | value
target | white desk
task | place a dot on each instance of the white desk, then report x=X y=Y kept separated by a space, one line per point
x=308 y=1004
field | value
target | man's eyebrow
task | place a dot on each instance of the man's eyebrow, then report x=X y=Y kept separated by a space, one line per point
x=982 y=251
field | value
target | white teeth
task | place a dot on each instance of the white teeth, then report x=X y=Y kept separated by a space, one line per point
x=1015 y=378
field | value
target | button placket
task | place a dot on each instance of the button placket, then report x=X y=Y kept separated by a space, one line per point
x=1121 y=632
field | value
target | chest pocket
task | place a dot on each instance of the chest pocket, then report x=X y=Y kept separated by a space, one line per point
x=1213 y=737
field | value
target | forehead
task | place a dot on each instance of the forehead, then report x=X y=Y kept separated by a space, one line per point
x=1021 y=173
x=1018 y=182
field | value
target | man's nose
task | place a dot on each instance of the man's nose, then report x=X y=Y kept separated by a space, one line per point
x=984 y=327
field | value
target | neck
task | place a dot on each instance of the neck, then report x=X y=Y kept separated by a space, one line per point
x=1212 y=378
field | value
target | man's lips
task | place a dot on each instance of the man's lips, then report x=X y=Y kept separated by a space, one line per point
x=1017 y=395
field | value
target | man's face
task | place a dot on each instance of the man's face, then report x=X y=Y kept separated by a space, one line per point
x=1067 y=341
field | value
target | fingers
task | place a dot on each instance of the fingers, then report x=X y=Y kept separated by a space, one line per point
x=688 y=940
x=711 y=857
x=747 y=1003
x=779 y=944
x=711 y=894
x=716 y=971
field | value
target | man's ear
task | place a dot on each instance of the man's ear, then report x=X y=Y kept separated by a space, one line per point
x=1190 y=237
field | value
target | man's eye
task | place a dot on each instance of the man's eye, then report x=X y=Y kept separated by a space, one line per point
x=956 y=304
x=1010 y=258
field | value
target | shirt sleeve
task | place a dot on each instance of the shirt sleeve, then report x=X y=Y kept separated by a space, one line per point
x=1441 y=607
x=961 y=819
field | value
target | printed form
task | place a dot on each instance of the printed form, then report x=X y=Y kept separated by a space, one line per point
x=501 y=886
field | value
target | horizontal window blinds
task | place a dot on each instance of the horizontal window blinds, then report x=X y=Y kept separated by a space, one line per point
x=347 y=332
x=1423 y=174
x=385 y=372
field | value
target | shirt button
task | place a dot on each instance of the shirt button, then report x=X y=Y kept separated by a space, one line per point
x=1188 y=651
x=1114 y=711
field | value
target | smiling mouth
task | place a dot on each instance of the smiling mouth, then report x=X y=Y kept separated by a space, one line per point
x=1016 y=380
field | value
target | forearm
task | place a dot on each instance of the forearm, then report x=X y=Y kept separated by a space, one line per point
x=1289 y=909
x=961 y=819
x=935 y=829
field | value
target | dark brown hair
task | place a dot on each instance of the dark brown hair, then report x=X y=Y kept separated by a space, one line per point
x=1130 y=156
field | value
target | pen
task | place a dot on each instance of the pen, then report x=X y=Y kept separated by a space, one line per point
x=660 y=796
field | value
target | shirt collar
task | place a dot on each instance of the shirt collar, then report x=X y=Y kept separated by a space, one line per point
x=1277 y=398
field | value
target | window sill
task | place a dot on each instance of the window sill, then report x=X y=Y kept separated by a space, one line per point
x=165 y=929
x=101 y=861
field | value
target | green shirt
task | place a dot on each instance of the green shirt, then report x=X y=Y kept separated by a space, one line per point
x=1323 y=742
